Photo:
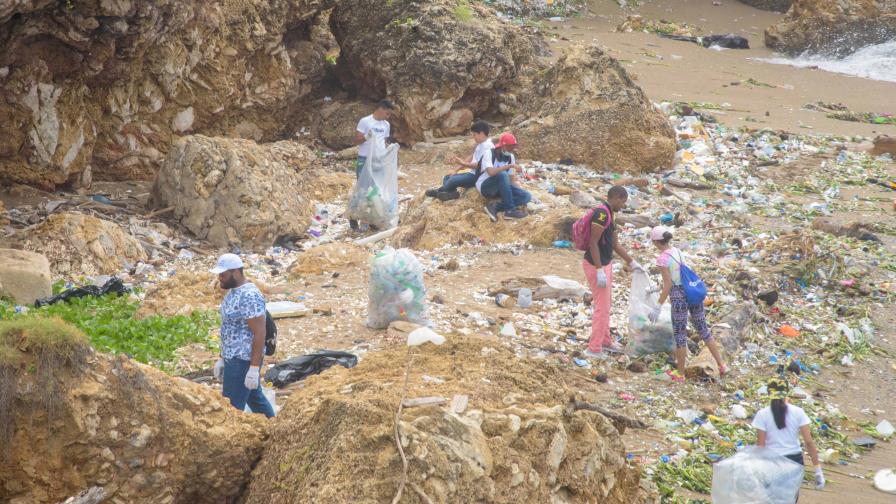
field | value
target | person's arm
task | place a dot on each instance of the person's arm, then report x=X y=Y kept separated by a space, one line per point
x=494 y=170
x=667 y=284
x=257 y=326
x=361 y=132
x=466 y=164
x=359 y=138
x=810 y=444
x=760 y=438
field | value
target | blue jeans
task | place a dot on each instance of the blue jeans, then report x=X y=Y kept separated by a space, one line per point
x=511 y=196
x=453 y=182
x=235 y=388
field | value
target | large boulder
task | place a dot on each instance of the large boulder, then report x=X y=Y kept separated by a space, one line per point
x=586 y=108
x=835 y=27
x=769 y=5
x=237 y=192
x=428 y=224
x=24 y=276
x=109 y=84
x=335 y=122
x=78 y=244
x=511 y=441
x=82 y=419
x=442 y=62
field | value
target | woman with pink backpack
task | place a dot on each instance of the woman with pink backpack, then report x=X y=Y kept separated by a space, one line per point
x=595 y=233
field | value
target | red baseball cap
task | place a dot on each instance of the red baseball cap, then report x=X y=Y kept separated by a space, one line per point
x=506 y=138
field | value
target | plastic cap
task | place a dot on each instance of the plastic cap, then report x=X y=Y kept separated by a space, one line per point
x=227 y=262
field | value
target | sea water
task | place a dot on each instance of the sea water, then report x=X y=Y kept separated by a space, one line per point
x=876 y=62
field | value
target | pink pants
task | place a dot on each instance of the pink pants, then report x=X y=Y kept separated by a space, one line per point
x=602 y=301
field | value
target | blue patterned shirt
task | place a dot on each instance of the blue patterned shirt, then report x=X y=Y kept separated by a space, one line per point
x=239 y=305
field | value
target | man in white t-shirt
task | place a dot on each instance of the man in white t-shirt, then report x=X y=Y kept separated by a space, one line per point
x=469 y=172
x=376 y=125
x=495 y=181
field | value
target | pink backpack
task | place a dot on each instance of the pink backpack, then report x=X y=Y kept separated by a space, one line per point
x=581 y=229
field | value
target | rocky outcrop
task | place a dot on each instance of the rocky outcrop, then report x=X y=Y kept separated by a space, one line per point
x=101 y=88
x=510 y=441
x=335 y=122
x=428 y=224
x=769 y=5
x=236 y=192
x=78 y=244
x=586 y=108
x=442 y=62
x=142 y=435
x=835 y=27
x=24 y=276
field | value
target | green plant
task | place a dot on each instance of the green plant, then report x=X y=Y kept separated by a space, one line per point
x=331 y=59
x=463 y=12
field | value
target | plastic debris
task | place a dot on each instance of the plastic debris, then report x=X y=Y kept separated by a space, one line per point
x=885 y=428
x=396 y=290
x=374 y=199
x=646 y=337
x=756 y=475
x=885 y=480
x=423 y=335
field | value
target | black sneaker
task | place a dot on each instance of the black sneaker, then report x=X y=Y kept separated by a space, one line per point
x=514 y=214
x=447 y=195
x=431 y=193
x=353 y=224
x=492 y=210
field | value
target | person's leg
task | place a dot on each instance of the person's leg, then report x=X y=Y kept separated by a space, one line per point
x=679 y=325
x=698 y=318
x=454 y=182
x=521 y=197
x=505 y=191
x=359 y=165
x=594 y=342
x=258 y=403
x=234 y=382
x=601 y=299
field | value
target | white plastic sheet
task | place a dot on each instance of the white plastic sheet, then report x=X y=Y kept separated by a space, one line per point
x=756 y=475
x=396 y=290
x=374 y=199
x=646 y=337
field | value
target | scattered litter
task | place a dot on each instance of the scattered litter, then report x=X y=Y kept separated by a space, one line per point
x=298 y=368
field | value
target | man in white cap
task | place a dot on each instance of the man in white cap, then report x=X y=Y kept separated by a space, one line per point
x=242 y=337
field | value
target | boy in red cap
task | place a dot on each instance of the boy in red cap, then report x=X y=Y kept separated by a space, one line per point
x=495 y=181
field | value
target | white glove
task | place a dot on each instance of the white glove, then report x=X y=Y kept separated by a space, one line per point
x=654 y=314
x=635 y=265
x=369 y=135
x=601 y=278
x=251 y=382
x=819 y=478
x=218 y=370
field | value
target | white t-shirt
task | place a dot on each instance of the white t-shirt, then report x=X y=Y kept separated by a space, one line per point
x=380 y=129
x=784 y=441
x=509 y=159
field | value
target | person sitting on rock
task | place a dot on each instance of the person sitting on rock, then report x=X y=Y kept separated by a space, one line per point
x=371 y=127
x=243 y=333
x=495 y=181
x=465 y=177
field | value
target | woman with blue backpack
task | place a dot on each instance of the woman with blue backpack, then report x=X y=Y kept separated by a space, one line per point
x=686 y=292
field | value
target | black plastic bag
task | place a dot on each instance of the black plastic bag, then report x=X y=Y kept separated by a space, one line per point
x=112 y=286
x=298 y=368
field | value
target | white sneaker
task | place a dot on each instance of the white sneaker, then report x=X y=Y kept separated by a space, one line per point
x=594 y=355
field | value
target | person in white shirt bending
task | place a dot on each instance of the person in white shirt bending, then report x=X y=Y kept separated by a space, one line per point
x=371 y=127
x=780 y=426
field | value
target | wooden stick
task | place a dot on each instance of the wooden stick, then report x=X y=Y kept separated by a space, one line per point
x=616 y=418
x=155 y=213
x=382 y=235
x=404 y=460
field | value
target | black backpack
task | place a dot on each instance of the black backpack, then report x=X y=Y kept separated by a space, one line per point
x=270 y=334
x=497 y=155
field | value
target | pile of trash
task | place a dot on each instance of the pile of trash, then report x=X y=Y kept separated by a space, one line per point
x=396 y=290
x=374 y=199
x=635 y=23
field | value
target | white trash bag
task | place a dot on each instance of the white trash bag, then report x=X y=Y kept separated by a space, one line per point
x=756 y=475
x=374 y=199
x=396 y=290
x=646 y=337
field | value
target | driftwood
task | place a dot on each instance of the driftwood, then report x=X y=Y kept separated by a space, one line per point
x=93 y=495
x=619 y=420
x=423 y=401
x=639 y=221
x=687 y=184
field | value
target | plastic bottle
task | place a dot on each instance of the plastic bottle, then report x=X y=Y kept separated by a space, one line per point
x=524 y=299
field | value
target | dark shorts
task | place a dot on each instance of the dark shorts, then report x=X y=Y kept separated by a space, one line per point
x=797 y=457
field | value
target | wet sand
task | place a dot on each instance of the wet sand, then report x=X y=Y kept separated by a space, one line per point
x=670 y=70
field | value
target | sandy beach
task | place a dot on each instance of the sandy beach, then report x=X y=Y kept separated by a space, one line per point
x=670 y=70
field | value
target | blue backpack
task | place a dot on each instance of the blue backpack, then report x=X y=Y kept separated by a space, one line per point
x=694 y=288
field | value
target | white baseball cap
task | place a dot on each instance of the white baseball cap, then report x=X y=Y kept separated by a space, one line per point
x=227 y=262
x=656 y=234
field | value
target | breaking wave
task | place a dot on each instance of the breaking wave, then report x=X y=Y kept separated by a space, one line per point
x=876 y=62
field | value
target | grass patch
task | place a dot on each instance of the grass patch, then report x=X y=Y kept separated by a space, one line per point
x=51 y=350
x=110 y=324
x=463 y=12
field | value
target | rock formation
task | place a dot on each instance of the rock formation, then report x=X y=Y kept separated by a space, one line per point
x=96 y=88
x=142 y=435
x=510 y=441
x=24 y=276
x=78 y=244
x=236 y=192
x=833 y=27
x=442 y=62
x=586 y=108
x=770 y=5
